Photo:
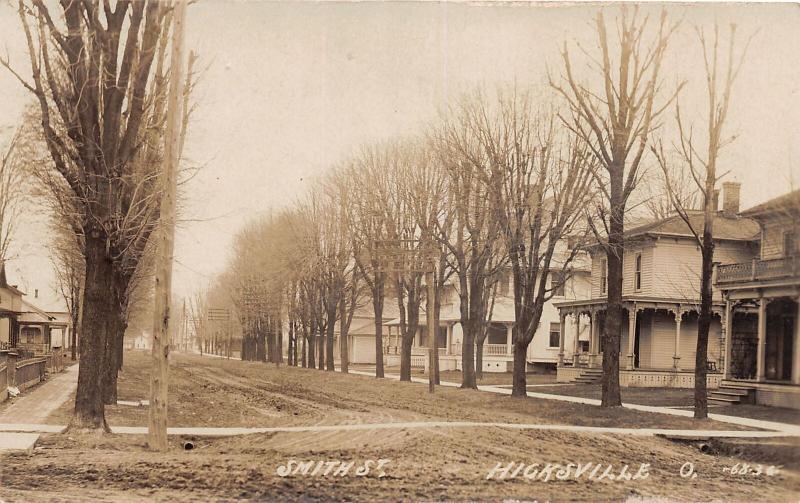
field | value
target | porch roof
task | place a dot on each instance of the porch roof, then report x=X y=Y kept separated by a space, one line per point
x=33 y=315
x=643 y=301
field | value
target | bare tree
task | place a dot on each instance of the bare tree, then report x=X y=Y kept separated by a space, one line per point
x=11 y=182
x=475 y=233
x=67 y=258
x=370 y=214
x=99 y=78
x=615 y=122
x=702 y=168
x=541 y=180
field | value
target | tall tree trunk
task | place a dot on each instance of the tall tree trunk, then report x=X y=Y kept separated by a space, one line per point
x=479 y=354
x=321 y=350
x=377 y=309
x=437 y=309
x=468 y=355
x=273 y=341
x=293 y=354
x=329 y=339
x=308 y=351
x=344 y=350
x=406 y=341
x=611 y=343
x=261 y=341
x=97 y=324
x=279 y=341
x=703 y=325
x=519 y=377
x=74 y=315
x=303 y=353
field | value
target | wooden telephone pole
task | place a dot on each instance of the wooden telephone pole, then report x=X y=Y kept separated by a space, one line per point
x=157 y=420
x=399 y=256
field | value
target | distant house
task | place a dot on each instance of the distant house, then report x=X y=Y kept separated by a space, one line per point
x=661 y=297
x=142 y=340
x=762 y=302
x=543 y=351
x=24 y=325
x=10 y=309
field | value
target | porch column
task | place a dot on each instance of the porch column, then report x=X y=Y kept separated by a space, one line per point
x=447 y=350
x=575 y=342
x=796 y=356
x=631 y=335
x=726 y=364
x=562 y=321
x=762 y=338
x=676 y=358
x=509 y=337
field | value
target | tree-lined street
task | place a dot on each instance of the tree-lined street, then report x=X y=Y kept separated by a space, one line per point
x=268 y=224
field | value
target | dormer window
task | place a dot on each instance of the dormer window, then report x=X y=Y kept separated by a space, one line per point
x=789 y=244
x=557 y=283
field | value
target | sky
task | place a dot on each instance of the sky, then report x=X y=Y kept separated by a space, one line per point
x=288 y=90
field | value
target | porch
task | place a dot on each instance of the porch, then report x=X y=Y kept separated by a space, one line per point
x=497 y=348
x=762 y=299
x=496 y=357
x=657 y=343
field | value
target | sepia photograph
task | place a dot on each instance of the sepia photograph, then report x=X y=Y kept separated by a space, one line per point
x=399 y=251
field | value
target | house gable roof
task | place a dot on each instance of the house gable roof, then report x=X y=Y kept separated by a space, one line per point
x=789 y=202
x=725 y=227
x=4 y=280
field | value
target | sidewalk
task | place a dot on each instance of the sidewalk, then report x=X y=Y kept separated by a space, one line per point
x=33 y=406
x=789 y=430
x=20 y=422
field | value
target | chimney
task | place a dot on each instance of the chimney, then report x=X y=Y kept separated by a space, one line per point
x=715 y=200
x=730 y=198
x=36 y=293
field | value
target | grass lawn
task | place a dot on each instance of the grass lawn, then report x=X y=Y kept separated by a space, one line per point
x=666 y=397
x=213 y=391
x=425 y=464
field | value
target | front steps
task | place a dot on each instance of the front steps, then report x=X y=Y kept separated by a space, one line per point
x=589 y=376
x=732 y=393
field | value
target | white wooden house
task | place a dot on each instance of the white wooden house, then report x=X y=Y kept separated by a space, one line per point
x=661 y=296
x=762 y=305
x=497 y=350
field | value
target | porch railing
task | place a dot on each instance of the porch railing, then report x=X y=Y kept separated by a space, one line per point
x=38 y=348
x=785 y=267
x=488 y=349
x=416 y=351
x=29 y=372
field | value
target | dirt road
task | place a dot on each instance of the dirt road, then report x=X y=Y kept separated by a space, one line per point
x=424 y=463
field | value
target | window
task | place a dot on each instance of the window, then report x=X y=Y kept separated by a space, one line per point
x=555 y=335
x=603 y=275
x=789 y=244
x=557 y=282
x=505 y=281
x=638 y=272
x=572 y=242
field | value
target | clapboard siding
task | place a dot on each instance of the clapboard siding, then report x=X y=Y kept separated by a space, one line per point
x=662 y=342
x=628 y=272
x=362 y=349
x=772 y=234
x=677 y=264
x=645 y=338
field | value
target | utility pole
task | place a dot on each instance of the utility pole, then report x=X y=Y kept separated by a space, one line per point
x=399 y=256
x=157 y=418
